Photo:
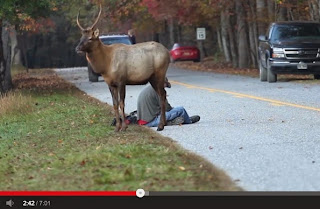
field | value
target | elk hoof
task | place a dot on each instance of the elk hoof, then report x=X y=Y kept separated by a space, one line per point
x=117 y=129
x=160 y=128
x=124 y=128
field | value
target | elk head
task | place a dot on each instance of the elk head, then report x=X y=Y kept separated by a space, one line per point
x=90 y=36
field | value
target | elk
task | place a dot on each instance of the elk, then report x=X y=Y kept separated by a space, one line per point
x=122 y=65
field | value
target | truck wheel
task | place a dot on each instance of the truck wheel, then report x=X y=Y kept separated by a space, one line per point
x=263 y=72
x=272 y=77
x=316 y=76
x=93 y=77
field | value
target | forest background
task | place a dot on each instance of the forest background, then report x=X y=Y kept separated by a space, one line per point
x=44 y=33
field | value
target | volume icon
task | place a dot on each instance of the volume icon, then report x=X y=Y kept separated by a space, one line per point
x=9 y=203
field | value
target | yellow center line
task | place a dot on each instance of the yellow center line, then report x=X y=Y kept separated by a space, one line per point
x=272 y=101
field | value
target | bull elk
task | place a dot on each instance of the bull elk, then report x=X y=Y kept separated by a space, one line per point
x=122 y=65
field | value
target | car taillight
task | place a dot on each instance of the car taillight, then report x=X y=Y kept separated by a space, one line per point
x=176 y=52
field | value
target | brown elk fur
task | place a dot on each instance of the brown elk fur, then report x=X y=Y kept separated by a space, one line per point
x=122 y=65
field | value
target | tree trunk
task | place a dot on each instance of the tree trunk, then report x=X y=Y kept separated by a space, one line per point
x=318 y=5
x=5 y=60
x=23 y=46
x=16 y=58
x=171 y=32
x=271 y=10
x=253 y=46
x=243 y=45
x=281 y=13
x=253 y=34
x=314 y=10
x=261 y=15
x=219 y=39
x=225 y=37
x=232 y=38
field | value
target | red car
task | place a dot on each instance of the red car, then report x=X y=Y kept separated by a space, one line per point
x=184 y=53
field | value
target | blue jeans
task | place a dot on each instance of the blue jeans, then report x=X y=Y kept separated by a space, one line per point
x=170 y=115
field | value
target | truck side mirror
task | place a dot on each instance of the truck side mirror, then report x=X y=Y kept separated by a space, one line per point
x=262 y=38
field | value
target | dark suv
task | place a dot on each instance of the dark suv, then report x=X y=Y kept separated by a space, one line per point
x=108 y=40
x=289 y=48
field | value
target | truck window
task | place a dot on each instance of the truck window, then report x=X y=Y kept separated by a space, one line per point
x=289 y=32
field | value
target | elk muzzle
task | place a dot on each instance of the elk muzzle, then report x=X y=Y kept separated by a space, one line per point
x=79 y=50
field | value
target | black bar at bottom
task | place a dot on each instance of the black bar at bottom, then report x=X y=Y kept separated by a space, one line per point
x=163 y=202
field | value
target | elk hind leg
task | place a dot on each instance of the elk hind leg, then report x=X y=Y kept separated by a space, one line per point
x=163 y=121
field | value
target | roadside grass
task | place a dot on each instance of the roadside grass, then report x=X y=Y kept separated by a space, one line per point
x=15 y=102
x=58 y=138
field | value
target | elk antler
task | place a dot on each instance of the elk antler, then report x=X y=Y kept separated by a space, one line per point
x=78 y=21
x=94 y=24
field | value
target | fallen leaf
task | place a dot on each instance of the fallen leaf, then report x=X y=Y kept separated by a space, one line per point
x=182 y=168
x=210 y=147
x=83 y=162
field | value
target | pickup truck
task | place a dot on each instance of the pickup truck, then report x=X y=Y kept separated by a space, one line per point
x=289 y=48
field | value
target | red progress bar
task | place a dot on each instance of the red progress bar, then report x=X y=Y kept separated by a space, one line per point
x=67 y=193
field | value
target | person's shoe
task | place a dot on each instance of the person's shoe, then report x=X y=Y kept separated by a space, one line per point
x=176 y=121
x=195 y=118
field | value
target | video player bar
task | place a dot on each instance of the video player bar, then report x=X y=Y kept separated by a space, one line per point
x=143 y=199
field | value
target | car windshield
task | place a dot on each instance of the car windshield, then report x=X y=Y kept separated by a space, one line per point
x=114 y=40
x=294 y=32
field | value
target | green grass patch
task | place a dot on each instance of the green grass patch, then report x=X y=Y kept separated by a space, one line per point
x=64 y=142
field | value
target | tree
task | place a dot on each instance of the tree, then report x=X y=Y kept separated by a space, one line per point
x=15 y=12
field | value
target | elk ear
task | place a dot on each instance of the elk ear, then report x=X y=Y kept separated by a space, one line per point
x=96 y=33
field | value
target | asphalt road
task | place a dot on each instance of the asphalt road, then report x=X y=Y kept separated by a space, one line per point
x=266 y=137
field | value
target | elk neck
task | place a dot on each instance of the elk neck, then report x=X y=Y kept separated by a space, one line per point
x=99 y=57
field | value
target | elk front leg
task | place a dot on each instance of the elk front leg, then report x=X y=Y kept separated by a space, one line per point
x=122 y=91
x=115 y=100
